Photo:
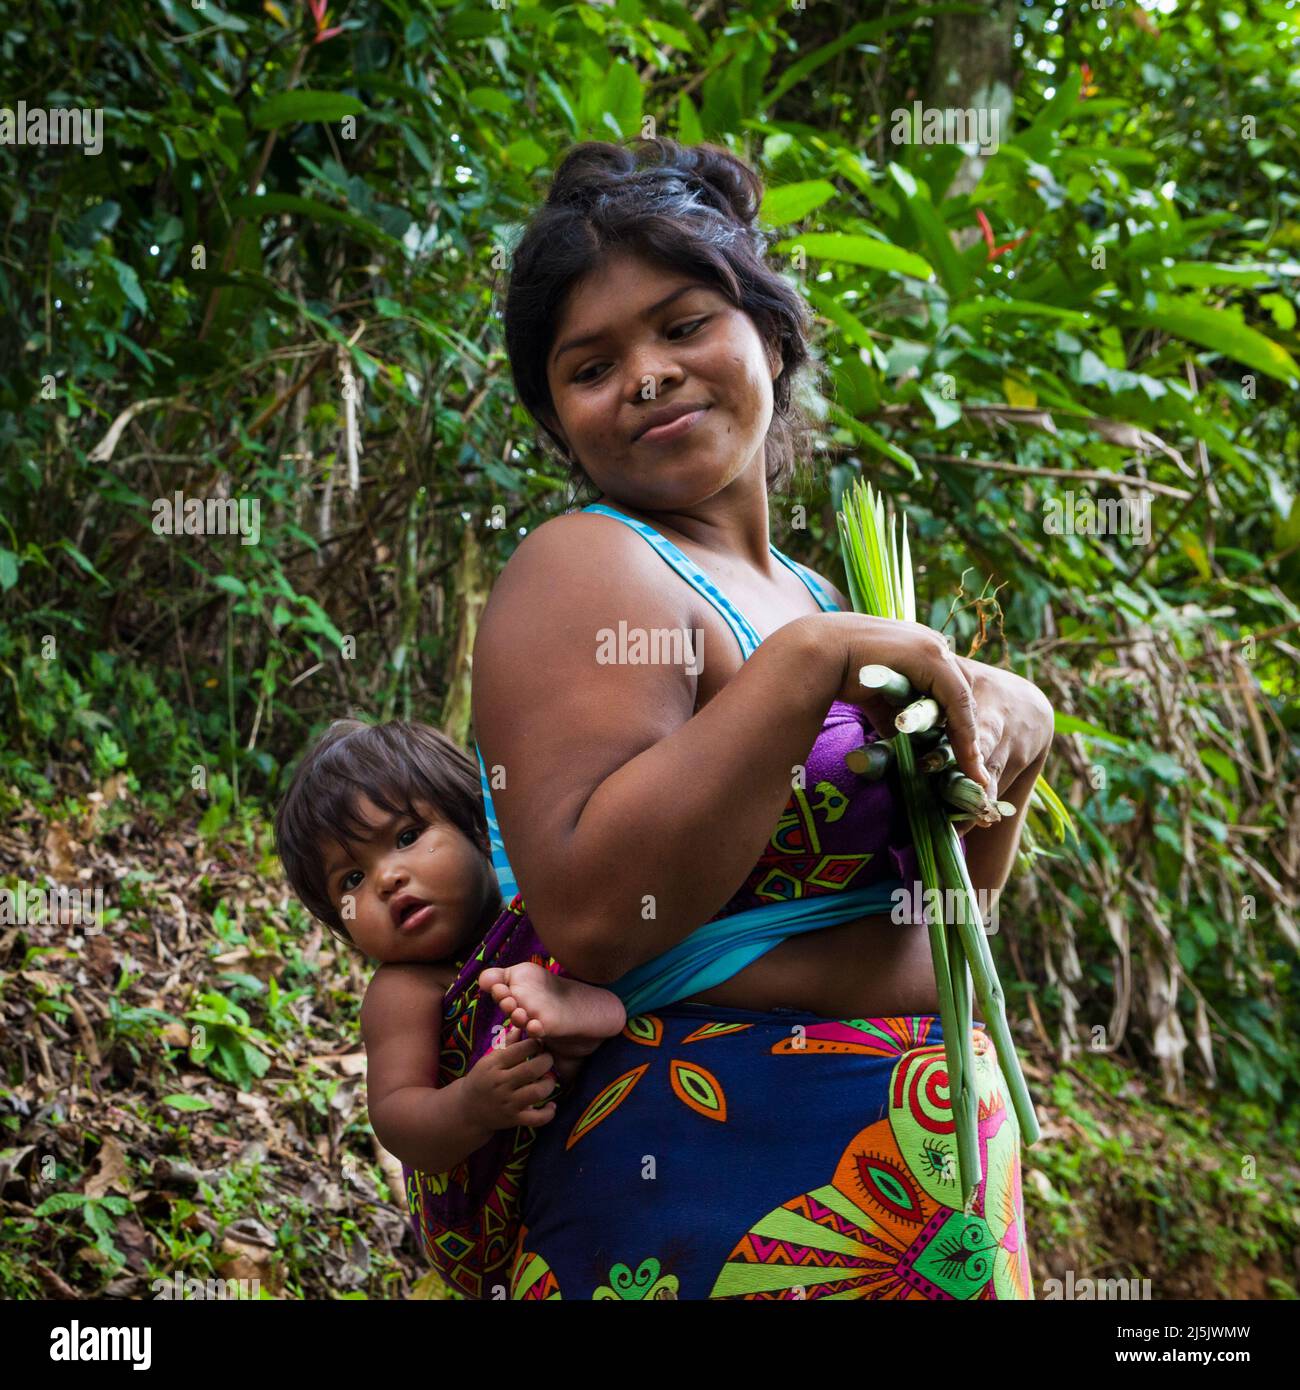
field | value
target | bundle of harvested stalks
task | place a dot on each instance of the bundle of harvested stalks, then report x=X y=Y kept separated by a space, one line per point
x=880 y=584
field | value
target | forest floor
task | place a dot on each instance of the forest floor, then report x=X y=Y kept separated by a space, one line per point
x=135 y=1148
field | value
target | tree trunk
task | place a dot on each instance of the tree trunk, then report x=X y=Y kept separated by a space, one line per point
x=974 y=65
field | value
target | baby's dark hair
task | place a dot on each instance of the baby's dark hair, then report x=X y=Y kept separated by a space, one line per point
x=394 y=764
x=687 y=208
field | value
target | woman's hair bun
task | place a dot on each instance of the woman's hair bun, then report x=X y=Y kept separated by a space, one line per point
x=594 y=171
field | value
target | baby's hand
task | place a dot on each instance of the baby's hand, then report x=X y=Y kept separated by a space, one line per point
x=508 y=1085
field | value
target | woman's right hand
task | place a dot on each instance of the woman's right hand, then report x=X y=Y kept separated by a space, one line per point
x=920 y=654
x=509 y=1085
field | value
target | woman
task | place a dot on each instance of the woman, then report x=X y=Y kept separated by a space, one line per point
x=783 y=1133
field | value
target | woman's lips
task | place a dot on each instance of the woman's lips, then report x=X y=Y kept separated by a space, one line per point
x=662 y=433
x=417 y=918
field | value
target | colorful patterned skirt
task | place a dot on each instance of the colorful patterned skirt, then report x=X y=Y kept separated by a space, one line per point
x=710 y=1152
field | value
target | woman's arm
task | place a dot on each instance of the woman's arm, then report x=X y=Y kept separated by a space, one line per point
x=628 y=819
x=1016 y=723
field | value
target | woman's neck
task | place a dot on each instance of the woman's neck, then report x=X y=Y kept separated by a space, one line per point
x=721 y=530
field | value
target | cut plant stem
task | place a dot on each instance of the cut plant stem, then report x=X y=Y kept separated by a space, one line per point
x=893 y=685
x=1005 y=808
x=938 y=758
x=967 y=1094
x=871 y=761
x=959 y=790
x=920 y=714
x=951 y=863
x=923 y=740
x=920 y=805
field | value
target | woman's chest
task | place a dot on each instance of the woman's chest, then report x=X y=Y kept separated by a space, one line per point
x=766 y=607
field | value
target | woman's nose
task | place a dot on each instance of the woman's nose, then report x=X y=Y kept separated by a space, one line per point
x=651 y=375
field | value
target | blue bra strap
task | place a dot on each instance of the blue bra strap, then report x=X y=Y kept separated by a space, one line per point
x=505 y=874
x=693 y=574
x=719 y=949
x=818 y=590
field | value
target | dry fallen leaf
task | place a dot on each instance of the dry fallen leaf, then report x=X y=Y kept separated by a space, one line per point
x=111 y=1170
x=62 y=851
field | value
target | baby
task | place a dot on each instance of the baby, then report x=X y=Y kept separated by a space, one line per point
x=383 y=837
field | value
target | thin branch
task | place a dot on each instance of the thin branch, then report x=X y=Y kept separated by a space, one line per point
x=1076 y=474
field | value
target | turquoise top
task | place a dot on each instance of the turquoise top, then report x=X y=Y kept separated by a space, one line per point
x=721 y=948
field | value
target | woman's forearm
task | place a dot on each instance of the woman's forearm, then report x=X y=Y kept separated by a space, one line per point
x=665 y=840
x=991 y=851
x=427 y=1127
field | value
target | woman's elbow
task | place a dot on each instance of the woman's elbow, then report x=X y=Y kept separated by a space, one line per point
x=582 y=949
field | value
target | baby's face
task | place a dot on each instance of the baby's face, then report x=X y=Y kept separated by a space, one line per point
x=413 y=890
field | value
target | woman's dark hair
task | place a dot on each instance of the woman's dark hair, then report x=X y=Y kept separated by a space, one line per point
x=688 y=208
x=394 y=764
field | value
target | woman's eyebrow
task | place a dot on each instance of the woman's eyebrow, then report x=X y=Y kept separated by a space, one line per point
x=646 y=313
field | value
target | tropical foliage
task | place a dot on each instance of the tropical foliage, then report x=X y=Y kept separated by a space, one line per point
x=279 y=281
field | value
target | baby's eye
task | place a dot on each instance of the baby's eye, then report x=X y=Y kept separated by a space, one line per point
x=347 y=885
x=402 y=841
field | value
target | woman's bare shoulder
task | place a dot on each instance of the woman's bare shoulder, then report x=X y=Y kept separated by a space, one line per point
x=830 y=588
x=578 y=553
x=840 y=598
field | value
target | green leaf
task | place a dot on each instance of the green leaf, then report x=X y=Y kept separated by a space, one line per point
x=1220 y=330
x=98 y=1219
x=1167 y=769
x=66 y=545
x=561 y=99
x=130 y=283
x=492 y=99
x=1281 y=308
x=622 y=95
x=866 y=435
x=1211 y=273
x=230 y=584
x=970 y=310
x=258 y=1062
x=525 y=154
x=946 y=413
x=1220 y=763
x=1035 y=139
x=932 y=230
x=61 y=1201
x=8 y=568
x=860 y=250
x=317 y=211
x=292 y=108
x=853 y=331
x=1068 y=724
x=794 y=201
x=667 y=35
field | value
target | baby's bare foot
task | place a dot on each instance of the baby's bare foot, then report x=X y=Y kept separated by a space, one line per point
x=494 y=982
x=572 y=1016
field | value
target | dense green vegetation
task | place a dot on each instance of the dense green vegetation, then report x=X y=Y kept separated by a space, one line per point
x=280 y=280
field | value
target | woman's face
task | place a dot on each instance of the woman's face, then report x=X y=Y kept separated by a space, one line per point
x=642 y=357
